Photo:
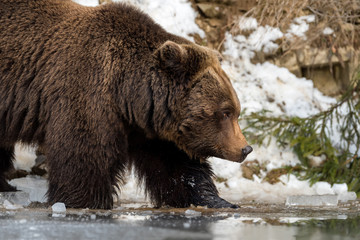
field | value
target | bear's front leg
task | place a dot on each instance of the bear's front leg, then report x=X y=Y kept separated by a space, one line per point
x=172 y=178
x=202 y=188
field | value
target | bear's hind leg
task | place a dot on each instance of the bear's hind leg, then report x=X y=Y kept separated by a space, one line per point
x=83 y=181
x=6 y=162
x=172 y=178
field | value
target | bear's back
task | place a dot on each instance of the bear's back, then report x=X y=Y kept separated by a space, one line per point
x=40 y=26
x=52 y=49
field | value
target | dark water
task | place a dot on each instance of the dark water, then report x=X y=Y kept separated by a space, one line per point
x=152 y=224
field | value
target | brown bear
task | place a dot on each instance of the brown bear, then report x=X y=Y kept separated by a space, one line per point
x=106 y=87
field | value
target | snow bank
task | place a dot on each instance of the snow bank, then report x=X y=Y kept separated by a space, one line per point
x=175 y=16
x=89 y=3
x=267 y=85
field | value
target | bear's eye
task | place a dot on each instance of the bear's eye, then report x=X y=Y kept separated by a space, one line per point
x=226 y=115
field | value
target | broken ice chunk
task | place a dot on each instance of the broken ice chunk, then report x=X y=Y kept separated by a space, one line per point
x=312 y=200
x=192 y=213
x=10 y=206
x=58 y=207
x=17 y=198
x=35 y=186
x=347 y=196
x=186 y=225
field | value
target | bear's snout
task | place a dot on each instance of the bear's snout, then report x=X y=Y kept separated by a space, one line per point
x=246 y=151
x=235 y=147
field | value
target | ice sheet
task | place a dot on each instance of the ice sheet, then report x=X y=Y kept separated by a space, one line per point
x=312 y=200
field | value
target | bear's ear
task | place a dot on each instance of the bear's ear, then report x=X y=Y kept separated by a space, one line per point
x=179 y=61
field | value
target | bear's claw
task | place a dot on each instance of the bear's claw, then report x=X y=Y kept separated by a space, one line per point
x=214 y=201
x=221 y=203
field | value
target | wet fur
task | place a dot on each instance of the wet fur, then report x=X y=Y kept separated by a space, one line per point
x=84 y=84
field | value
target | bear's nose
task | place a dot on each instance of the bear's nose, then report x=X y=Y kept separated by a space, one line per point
x=246 y=150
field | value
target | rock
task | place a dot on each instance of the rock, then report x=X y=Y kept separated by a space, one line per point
x=214 y=22
x=250 y=168
x=273 y=176
x=325 y=81
x=289 y=61
x=246 y=5
x=210 y=10
x=330 y=70
x=247 y=172
x=319 y=57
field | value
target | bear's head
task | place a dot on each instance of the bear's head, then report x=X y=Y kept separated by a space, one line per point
x=206 y=108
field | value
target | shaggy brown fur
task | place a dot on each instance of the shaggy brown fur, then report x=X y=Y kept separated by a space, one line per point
x=101 y=88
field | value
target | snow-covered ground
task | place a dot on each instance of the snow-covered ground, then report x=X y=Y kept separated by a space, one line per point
x=255 y=85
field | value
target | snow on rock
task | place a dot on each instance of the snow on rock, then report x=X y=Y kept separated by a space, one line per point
x=262 y=39
x=248 y=23
x=300 y=26
x=328 y=31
